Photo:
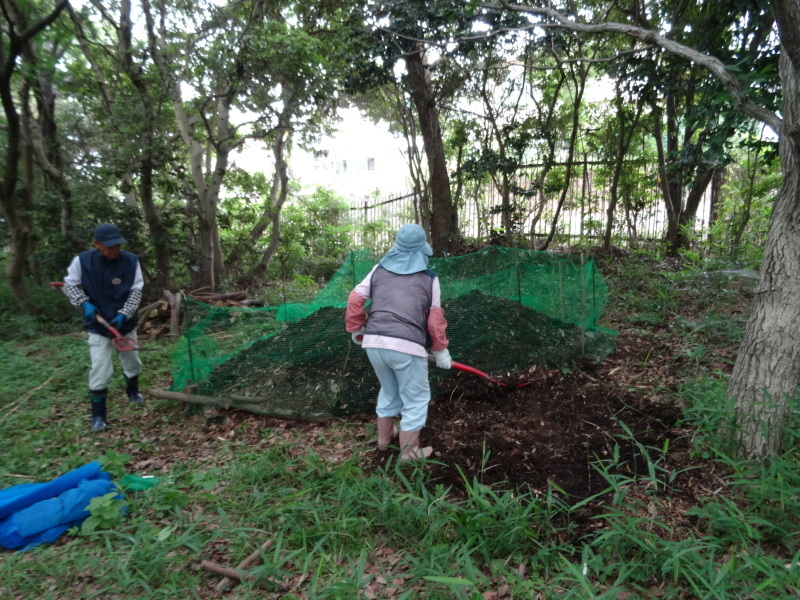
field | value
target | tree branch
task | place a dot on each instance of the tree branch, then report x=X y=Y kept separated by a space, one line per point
x=653 y=38
x=31 y=32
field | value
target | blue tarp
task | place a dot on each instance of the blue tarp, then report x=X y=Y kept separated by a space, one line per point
x=38 y=513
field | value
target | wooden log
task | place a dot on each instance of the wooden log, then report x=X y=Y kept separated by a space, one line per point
x=144 y=312
x=256 y=405
x=227 y=583
x=219 y=297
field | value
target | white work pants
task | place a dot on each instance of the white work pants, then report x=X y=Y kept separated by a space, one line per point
x=102 y=353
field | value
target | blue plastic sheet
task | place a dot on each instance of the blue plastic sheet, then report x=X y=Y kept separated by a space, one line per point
x=38 y=513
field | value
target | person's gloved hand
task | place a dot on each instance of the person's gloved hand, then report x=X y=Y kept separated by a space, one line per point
x=358 y=336
x=443 y=360
x=117 y=321
x=89 y=310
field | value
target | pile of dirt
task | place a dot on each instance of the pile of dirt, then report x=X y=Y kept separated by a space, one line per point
x=501 y=335
x=547 y=430
x=310 y=368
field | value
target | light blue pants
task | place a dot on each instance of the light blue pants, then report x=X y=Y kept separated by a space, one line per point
x=405 y=389
x=102 y=354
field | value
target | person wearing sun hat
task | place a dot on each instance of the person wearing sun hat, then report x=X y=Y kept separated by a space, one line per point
x=107 y=281
x=404 y=320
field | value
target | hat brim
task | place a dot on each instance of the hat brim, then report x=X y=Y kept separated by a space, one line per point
x=113 y=241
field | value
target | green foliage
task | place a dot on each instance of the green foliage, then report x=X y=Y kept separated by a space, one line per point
x=316 y=234
x=328 y=518
x=107 y=512
x=748 y=194
x=50 y=313
x=114 y=463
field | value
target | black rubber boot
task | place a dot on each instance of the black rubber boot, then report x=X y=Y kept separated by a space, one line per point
x=98 y=400
x=132 y=389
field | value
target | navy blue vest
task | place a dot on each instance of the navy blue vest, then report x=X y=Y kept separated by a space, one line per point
x=108 y=283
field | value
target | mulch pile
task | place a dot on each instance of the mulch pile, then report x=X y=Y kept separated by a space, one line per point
x=546 y=429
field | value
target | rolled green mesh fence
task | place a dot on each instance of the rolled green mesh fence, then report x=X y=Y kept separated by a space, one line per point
x=507 y=309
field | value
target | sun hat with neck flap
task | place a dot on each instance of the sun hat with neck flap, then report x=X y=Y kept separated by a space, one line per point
x=410 y=252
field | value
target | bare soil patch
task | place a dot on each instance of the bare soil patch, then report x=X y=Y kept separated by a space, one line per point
x=547 y=429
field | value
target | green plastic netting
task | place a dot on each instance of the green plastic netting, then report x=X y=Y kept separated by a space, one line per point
x=507 y=309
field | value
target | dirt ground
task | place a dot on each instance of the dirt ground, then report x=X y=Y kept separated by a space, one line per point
x=536 y=428
x=542 y=427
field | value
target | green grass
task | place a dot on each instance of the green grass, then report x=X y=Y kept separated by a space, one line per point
x=341 y=531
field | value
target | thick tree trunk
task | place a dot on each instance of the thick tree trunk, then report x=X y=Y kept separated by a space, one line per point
x=688 y=213
x=158 y=233
x=17 y=33
x=15 y=267
x=444 y=220
x=767 y=369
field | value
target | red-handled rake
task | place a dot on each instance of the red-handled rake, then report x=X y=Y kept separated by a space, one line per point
x=123 y=344
x=474 y=371
x=467 y=369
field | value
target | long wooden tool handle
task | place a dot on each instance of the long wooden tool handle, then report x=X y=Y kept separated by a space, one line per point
x=107 y=325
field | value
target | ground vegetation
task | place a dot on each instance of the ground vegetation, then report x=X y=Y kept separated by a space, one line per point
x=549 y=483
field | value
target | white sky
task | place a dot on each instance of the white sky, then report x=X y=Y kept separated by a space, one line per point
x=356 y=142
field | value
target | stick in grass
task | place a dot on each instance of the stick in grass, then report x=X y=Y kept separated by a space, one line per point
x=26 y=396
x=227 y=583
x=212 y=567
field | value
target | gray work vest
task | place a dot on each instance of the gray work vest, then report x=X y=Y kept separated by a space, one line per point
x=400 y=305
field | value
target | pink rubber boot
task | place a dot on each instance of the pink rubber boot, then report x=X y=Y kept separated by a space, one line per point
x=409 y=446
x=387 y=432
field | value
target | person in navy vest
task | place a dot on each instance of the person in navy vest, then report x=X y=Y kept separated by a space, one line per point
x=405 y=319
x=107 y=281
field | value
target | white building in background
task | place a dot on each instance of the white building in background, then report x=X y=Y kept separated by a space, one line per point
x=360 y=162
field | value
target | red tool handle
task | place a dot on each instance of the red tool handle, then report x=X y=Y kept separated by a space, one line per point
x=468 y=369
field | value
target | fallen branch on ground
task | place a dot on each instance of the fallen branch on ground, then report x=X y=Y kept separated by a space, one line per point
x=227 y=583
x=241 y=402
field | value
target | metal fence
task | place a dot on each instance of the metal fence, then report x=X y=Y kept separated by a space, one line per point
x=582 y=217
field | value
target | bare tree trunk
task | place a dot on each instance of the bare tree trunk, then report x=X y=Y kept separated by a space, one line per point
x=767 y=369
x=625 y=139
x=207 y=193
x=279 y=190
x=158 y=233
x=444 y=220
x=580 y=86
x=19 y=33
x=28 y=192
x=421 y=186
x=687 y=215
